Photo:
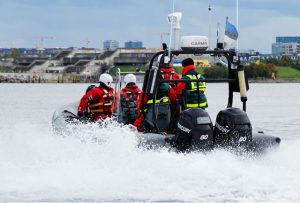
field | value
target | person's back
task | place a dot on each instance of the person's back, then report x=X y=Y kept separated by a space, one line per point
x=97 y=103
x=191 y=93
x=168 y=72
x=128 y=100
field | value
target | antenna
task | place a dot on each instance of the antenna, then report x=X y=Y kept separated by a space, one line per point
x=161 y=36
x=237 y=27
x=209 y=26
x=220 y=45
x=174 y=19
x=171 y=30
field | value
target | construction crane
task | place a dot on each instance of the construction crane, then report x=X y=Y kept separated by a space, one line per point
x=41 y=40
x=87 y=42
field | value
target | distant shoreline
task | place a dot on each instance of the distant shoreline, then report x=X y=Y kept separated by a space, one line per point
x=280 y=80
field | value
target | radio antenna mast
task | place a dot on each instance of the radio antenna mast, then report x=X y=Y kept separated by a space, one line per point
x=171 y=30
x=209 y=26
x=237 y=27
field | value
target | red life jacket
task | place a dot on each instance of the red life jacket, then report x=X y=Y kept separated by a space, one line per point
x=104 y=105
x=131 y=93
x=168 y=73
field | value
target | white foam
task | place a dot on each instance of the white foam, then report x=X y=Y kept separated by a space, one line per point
x=104 y=164
x=94 y=164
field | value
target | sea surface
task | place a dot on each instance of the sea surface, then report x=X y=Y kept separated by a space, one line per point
x=104 y=165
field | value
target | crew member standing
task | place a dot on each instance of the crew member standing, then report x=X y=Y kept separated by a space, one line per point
x=191 y=93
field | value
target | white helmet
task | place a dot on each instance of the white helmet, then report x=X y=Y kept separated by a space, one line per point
x=129 y=78
x=106 y=79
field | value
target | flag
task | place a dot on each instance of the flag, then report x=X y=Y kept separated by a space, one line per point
x=231 y=34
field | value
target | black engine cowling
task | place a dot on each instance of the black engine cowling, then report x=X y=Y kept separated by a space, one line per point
x=194 y=131
x=233 y=128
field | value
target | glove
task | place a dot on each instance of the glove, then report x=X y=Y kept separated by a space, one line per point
x=84 y=118
x=79 y=114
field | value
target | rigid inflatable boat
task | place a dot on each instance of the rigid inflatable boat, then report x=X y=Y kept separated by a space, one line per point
x=194 y=129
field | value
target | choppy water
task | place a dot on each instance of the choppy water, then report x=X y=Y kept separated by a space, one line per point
x=36 y=165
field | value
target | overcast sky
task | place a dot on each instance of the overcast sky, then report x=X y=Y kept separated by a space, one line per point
x=64 y=23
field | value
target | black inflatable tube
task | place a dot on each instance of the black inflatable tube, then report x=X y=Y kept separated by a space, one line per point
x=260 y=142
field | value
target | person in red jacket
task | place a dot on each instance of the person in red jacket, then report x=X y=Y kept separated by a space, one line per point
x=97 y=103
x=128 y=109
x=168 y=72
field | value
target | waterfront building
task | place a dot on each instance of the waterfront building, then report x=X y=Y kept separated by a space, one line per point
x=133 y=45
x=110 y=44
x=290 y=48
x=286 y=39
x=286 y=45
x=276 y=48
x=134 y=57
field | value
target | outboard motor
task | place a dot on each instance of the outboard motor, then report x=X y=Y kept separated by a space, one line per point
x=233 y=128
x=194 y=131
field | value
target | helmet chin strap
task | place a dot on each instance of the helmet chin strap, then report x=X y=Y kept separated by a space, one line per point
x=103 y=85
x=130 y=84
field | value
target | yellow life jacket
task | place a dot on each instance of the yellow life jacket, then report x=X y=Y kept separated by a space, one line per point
x=202 y=85
x=192 y=93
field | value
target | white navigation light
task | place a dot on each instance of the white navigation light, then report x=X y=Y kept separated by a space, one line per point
x=175 y=18
x=194 y=42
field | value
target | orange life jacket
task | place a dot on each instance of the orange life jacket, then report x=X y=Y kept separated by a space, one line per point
x=104 y=105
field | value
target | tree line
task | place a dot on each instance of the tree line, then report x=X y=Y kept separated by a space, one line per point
x=285 y=61
x=253 y=70
x=264 y=68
